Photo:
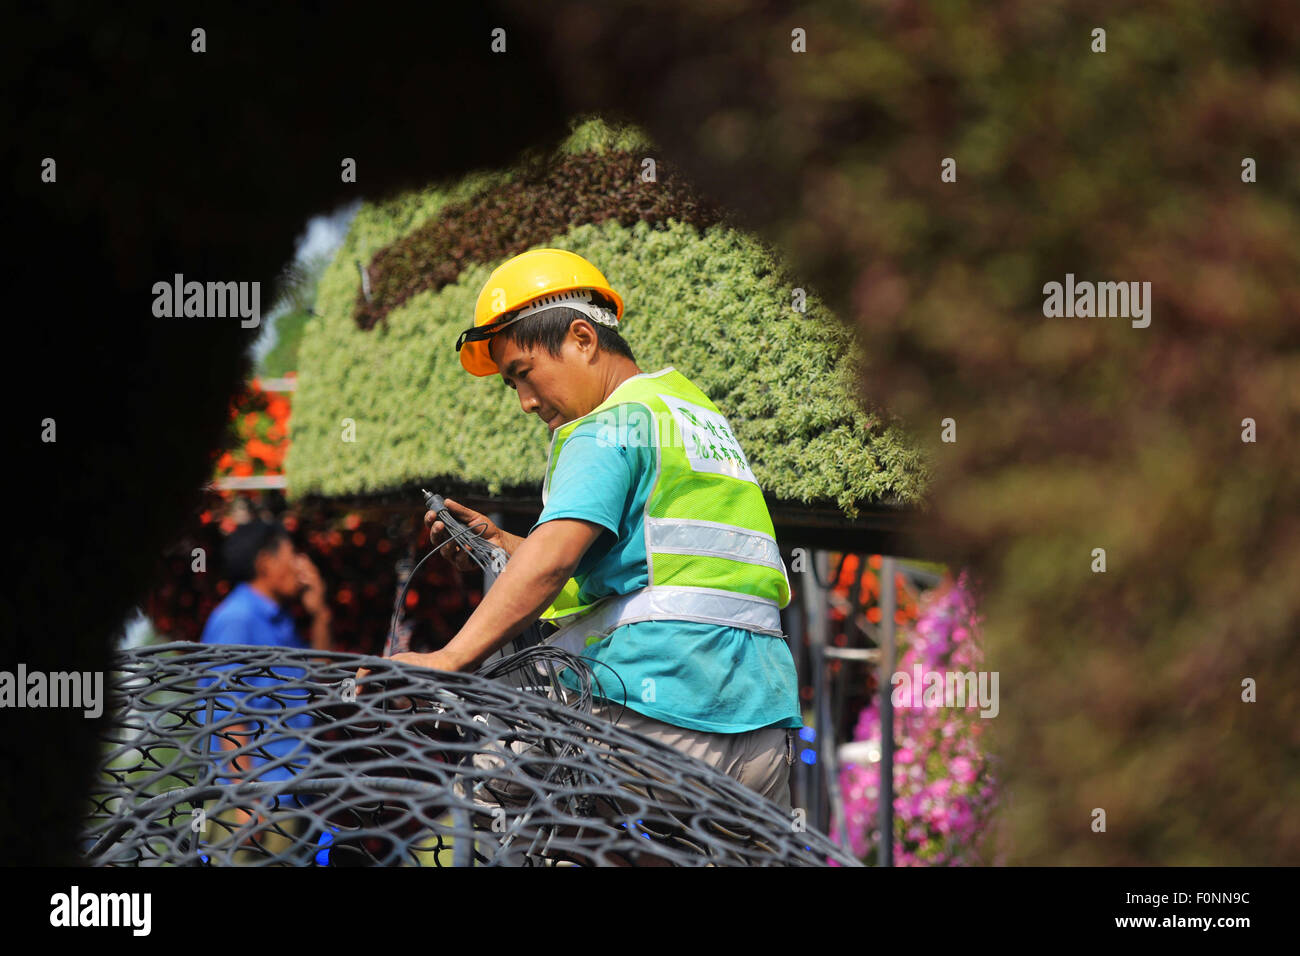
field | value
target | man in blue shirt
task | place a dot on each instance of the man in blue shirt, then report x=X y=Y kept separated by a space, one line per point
x=270 y=573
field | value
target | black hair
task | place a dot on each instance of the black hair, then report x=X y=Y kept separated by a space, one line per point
x=246 y=542
x=549 y=329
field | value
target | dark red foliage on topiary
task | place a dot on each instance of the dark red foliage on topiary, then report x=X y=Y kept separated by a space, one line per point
x=544 y=200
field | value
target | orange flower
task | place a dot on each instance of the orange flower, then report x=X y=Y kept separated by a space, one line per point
x=849 y=570
x=242 y=469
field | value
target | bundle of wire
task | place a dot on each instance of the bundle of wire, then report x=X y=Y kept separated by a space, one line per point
x=487 y=556
x=527 y=659
x=548 y=660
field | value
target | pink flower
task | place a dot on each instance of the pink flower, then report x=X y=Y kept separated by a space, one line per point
x=939 y=754
x=962 y=769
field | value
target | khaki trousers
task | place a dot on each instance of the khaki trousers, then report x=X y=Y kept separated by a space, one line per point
x=759 y=759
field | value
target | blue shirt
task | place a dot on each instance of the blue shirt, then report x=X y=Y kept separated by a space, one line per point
x=689 y=674
x=249 y=617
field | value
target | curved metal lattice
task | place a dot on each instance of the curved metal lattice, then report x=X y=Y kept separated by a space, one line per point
x=423 y=768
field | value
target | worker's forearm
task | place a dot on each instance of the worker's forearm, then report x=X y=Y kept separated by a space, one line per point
x=526 y=588
x=511 y=542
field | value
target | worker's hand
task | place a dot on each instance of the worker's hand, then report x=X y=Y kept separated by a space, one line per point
x=437 y=660
x=479 y=523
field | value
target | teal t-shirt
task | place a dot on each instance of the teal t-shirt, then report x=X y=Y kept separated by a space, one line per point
x=685 y=673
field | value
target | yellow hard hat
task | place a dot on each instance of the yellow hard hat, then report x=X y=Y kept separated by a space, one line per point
x=532 y=282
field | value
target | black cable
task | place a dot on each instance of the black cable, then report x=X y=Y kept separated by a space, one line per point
x=400 y=607
x=581 y=666
x=491 y=558
x=825 y=585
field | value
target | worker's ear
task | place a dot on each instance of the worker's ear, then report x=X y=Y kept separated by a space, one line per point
x=585 y=333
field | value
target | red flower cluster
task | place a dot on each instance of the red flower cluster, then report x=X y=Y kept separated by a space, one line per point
x=867 y=597
x=259 y=435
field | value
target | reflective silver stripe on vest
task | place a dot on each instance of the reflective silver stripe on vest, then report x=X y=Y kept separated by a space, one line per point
x=712 y=538
x=669 y=603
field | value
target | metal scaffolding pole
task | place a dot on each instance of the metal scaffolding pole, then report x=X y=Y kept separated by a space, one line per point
x=818 y=627
x=795 y=628
x=826 y=697
x=887 y=604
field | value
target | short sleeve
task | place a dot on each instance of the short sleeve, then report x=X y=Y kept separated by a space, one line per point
x=227 y=629
x=592 y=480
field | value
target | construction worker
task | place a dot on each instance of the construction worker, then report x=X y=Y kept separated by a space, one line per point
x=654 y=553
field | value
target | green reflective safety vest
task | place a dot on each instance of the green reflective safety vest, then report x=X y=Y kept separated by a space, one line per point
x=710 y=548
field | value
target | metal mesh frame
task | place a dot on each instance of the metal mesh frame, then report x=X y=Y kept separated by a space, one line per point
x=425 y=768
